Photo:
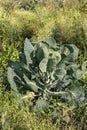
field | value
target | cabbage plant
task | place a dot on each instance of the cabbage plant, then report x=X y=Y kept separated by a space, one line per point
x=49 y=71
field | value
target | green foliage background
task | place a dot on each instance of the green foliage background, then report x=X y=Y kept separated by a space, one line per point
x=67 y=22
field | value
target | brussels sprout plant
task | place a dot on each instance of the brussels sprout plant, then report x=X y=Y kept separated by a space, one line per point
x=48 y=70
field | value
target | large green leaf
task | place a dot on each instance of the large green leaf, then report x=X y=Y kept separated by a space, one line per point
x=76 y=95
x=60 y=73
x=40 y=54
x=43 y=65
x=55 y=55
x=28 y=49
x=11 y=74
x=51 y=42
x=44 y=47
x=61 y=85
x=78 y=74
x=22 y=58
x=19 y=69
x=41 y=105
x=45 y=50
x=32 y=85
x=71 y=53
x=51 y=65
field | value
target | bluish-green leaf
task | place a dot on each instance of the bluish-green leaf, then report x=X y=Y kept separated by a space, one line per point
x=39 y=54
x=31 y=84
x=11 y=74
x=60 y=73
x=41 y=105
x=51 y=65
x=28 y=49
x=78 y=74
x=43 y=65
x=51 y=42
x=72 y=52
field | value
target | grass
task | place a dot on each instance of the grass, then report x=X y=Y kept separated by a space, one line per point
x=67 y=22
x=17 y=116
x=67 y=25
x=14 y=116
